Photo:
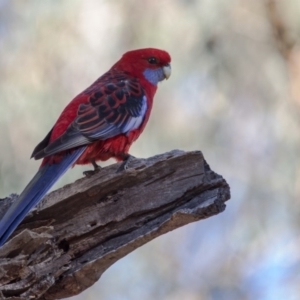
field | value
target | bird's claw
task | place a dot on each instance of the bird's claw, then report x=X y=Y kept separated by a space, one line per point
x=90 y=173
x=125 y=163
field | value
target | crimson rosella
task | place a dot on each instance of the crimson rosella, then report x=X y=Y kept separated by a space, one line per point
x=100 y=123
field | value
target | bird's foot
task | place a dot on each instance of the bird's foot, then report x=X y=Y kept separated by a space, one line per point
x=126 y=161
x=90 y=173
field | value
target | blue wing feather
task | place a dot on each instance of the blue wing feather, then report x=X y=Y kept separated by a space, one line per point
x=115 y=106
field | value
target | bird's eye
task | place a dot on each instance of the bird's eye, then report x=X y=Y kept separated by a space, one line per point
x=152 y=60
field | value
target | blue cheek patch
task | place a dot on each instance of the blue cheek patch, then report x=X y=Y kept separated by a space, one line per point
x=154 y=76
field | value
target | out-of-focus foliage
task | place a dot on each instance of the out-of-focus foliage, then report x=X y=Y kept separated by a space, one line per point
x=233 y=95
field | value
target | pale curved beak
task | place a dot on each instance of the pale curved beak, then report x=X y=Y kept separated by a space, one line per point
x=167 y=71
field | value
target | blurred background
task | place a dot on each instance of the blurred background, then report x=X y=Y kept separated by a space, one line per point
x=234 y=94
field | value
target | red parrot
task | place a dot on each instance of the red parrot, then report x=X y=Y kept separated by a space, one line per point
x=100 y=123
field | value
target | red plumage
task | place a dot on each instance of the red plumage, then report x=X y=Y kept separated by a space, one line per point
x=131 y=66
x=101 y=122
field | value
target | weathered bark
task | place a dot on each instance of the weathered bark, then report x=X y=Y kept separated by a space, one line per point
x=80 y=230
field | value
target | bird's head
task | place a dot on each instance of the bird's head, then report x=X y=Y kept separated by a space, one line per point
x=152 y=64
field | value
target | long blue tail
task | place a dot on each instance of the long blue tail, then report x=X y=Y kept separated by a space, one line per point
x=33 y=193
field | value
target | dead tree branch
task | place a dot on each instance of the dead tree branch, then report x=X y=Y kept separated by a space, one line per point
x=80 y=230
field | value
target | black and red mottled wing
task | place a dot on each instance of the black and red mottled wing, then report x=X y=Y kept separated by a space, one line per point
x=116 y=105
